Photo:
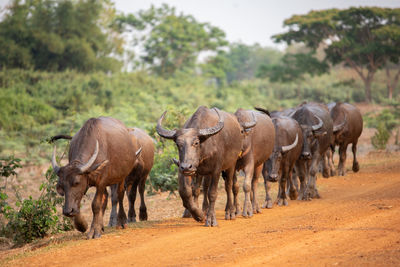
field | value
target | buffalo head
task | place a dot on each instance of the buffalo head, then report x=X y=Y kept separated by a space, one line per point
x=74 y=180
x=310 y=134
x=189 y=143
x=274 y=162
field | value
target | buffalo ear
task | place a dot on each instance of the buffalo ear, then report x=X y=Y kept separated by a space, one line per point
x=96 y=169
x=60 y=190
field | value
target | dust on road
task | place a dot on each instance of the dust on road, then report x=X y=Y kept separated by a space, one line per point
x=357 y=222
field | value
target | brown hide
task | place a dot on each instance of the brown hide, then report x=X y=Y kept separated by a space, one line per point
x=281 y=163
x=136 y=180
x=115 y=160
x=206 y=155
x=257 y=147
x=347 y=118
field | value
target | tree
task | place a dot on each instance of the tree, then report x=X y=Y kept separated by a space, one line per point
x=172 y=41
x=240 y=62
x=293 y=67
x=361 y=38
x=58 y=35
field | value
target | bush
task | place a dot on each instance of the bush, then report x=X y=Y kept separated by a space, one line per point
x=381 y=137
x=34 y=218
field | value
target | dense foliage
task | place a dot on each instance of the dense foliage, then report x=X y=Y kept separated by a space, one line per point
x=59 y=35
x=364 y=39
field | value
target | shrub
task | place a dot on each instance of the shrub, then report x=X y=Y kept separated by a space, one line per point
x=381 y=137
x=34 y=218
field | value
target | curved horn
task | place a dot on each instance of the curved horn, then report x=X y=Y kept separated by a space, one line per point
x=56 y=168
x=319 y=125
x=164 y=132
x=251 y=124
x=337 y=128
x=85 y=167
x=175 y=161
x=215 y=129
x=289 y=147
x=138 y=151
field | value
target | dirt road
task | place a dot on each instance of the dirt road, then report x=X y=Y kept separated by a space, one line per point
x=357 y=222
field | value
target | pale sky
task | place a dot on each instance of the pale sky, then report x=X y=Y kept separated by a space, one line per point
x=248 y=21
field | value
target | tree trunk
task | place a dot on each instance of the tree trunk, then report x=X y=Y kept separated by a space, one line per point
x=367 y=84
x=389 y=83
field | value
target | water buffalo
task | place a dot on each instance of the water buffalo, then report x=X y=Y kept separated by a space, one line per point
x=257 y=147
x=347 y=128
x=317 y=129
x=287 y=149
x=101 y=153
x=209 y=143
x=136 y=178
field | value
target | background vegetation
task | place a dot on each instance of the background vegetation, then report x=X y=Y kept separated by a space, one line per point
x=62 y=62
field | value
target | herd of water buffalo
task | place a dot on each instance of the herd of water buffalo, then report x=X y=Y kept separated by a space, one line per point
x=286 y=146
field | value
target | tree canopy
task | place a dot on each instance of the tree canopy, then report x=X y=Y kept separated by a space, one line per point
x=172 y=41
x=59 y=35
x=364 y=38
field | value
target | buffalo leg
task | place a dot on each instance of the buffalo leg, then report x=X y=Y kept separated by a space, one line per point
x=292 y=188
x=267 y=185
x=114 y=204
x=247 y=206
x=104 y=206
x=356 y=166
x=121 y=219
x=212 y=197
x=206 y=186
x=281 y=200
x=230 y=212
x=312 y=178
x=196 y=188
x=235 y=189
x=342 y=159
x=254 y=184
x=95 y=228
x=302 y=173
x=131 y=192
x=185 y=191
x=326 y=168
x=143 y=208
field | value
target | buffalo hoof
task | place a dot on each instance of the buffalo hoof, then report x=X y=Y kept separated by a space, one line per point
x=247 y=210
x=230 y=215
x=356 y=167
x=113 y=221
x=186 y=214
x=325 y=173
x=93 y=234
x=256 y=209
x=268 y=204
x=131 y=219
x=143 y=215
x=237 y=209
x=333 y=172
x=282 y=202
x=293 y=194
x=341 y=172
x=121 y=226
x=211 y=220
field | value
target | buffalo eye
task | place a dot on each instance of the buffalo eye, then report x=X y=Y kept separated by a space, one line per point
x=75 y=181
x=196 y=143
